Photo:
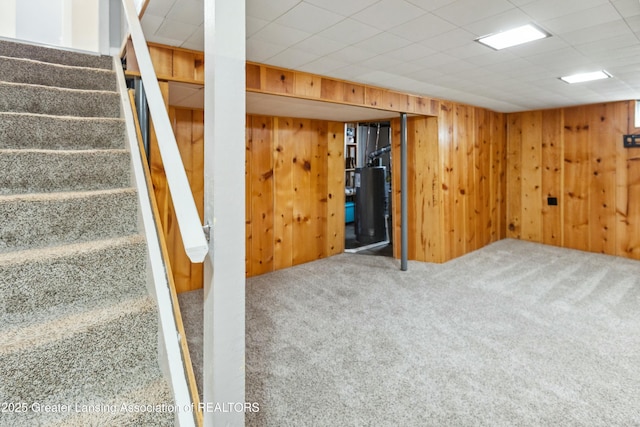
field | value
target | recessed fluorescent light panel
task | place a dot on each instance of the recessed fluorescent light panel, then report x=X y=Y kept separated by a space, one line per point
x=586 y=77
x=525 y=34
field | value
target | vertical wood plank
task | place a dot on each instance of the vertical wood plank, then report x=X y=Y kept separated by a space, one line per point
x=395 y=184
x=262 y=195
x=498 y=176
x=552 y=167
x=514 y=175
x=162 y=59
x=576 y=178
x=464 y=224
x=531 y=172
x=184 y=64
x=307 y=85
x=303 y=230
x=247 y=195
x=284 y=193
x=483 y=197
x=446 y=149
x=605 y=134
x=335 y=189
x=318 y=187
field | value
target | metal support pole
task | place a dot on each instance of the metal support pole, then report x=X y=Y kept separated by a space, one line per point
x=404 y=228
x=143 y=113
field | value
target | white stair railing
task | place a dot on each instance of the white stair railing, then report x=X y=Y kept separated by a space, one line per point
x=193 y=236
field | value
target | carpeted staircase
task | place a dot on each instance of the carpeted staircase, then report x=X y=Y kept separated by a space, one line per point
x=78 y=327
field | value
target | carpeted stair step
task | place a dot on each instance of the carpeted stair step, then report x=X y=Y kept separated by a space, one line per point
x=54 y=56
x=88 y=358
x=25 y=98
x=19 y=70
x=26 y=130
x=35 y=284
x=43 y=219
x=35 y=171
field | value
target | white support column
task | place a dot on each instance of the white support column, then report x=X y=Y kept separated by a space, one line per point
x=224 y=281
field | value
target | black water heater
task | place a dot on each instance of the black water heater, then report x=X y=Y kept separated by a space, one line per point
x=370 y=183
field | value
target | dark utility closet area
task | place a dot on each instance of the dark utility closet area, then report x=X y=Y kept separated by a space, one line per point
x=368 y=189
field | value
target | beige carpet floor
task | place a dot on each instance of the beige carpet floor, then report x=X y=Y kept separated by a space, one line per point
x=515 y=334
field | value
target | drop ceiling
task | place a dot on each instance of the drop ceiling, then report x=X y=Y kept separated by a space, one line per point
x=427 y=47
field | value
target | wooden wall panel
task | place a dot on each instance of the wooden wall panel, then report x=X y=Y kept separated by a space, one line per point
x=396 y=192
x=514 y=175
x=303 y=196
x=297 y=191
x=583 y=164
x=456 y=181
x=247 y=194
x=425 y=199
x=551 y=171
x=447 y=162
x=335 y=189
x=188 y=126
x=283 y=193
x=497 y=181
x=576 y=178
x=531 y=182
x=261 y=201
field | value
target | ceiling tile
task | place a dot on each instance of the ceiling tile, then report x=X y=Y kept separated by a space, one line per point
x=627 y=8
x=598 y=32
x=260 y=50
x=449 y=40
x=503 y=21
x=462 y=12
x=423 y=27
x=159 y=7
x=582 y=19
x=346 y=8
x=176 y=30
x=151 y=23
x=281 y=35
x=188 y=12
x=349 y=32
x=292 y=58
x=383 y=42
x=253 y=25
x=352 y=54
x=196 y=41
x=309 y=18
x=319 y=46
x=387 y=14
x=269 y=10
x=429 y=5
x=543 y=10
x=323 y=65
x=411 y=52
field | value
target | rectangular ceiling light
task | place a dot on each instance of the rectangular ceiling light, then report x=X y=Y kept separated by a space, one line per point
x=586 y=77
x=524 y=34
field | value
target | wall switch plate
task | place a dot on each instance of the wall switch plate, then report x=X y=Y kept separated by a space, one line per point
x=552 y=201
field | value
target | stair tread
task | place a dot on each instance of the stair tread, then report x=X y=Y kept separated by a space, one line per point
x=49 y=219
x=34 y=130
x=28 y=71
x=32 y=98
x=18 y=49
x=62 y=195
x=25 y=256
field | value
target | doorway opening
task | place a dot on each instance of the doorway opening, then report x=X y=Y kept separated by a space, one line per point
x=368 y=207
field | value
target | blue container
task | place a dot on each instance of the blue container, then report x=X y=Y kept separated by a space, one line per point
x=349 y=208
